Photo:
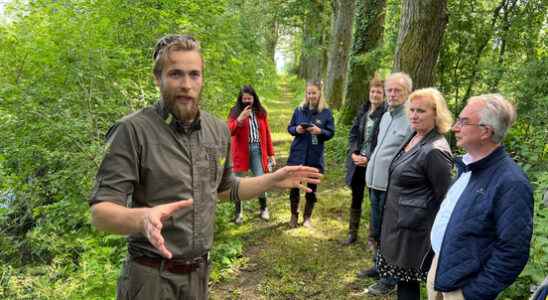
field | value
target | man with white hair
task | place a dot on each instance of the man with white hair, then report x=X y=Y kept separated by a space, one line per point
x=393 y=130
x=482 y=232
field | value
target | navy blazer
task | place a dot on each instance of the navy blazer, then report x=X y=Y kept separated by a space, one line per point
x=302 y=151
x=486 y=243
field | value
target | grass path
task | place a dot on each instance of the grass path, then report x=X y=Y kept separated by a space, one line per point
x=283 y=263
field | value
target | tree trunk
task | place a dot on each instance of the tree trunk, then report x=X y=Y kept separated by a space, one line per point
x=365 y=59
x=422 y=25
x=311 y=59
x=339 y=51
x=271 y=38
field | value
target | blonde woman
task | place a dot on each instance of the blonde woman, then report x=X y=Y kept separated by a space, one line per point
x=419 y=178
x=311 y=125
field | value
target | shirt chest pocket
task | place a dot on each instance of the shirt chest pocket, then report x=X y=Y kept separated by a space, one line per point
x=213 y=161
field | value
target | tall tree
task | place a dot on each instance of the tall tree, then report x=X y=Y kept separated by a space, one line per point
x=339 y=50
x=366 y=55
x=272 y=16
x=272 y=34
x=312 y=58
x=422 y=26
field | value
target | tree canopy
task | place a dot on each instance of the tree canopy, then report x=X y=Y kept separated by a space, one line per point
x=70 y=68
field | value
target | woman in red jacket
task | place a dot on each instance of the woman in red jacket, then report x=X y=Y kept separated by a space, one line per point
x=251 y=142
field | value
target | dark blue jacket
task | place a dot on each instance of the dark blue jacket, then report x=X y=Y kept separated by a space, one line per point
x=486 y=243
x=303 y=152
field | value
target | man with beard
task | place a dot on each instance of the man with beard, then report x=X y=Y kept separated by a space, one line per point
x=160 y=179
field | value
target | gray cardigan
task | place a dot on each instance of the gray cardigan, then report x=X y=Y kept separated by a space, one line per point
x=393 y=130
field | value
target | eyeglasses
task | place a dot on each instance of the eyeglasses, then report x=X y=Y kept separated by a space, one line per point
x=461 y=122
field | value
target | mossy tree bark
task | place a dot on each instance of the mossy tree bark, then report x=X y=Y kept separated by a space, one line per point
x=312 y=57
x=366 y=55
x=422 y=25
x=339 y=51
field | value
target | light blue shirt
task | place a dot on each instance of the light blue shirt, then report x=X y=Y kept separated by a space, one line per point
x=447 y=207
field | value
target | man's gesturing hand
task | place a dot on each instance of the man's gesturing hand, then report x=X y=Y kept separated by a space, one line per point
x=152 y=223
x=296 y=177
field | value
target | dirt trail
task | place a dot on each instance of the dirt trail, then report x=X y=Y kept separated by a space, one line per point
x=246 y=278
x=283 y=263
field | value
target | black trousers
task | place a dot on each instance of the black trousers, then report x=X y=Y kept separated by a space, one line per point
x=358 y=187
x=294 y=197
x=409 y=290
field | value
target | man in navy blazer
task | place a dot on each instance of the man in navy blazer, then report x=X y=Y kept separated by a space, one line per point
x=482 y=232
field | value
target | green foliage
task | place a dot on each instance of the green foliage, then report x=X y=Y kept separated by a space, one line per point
x=485 y=45
x=69 y=70
x=227 y=246
x=528 y=138
x=336 y=149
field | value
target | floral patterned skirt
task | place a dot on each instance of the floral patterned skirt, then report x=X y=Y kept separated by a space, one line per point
x=400 y=274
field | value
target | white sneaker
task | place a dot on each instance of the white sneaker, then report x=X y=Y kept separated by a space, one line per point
x=239 y=219
x=265 y=215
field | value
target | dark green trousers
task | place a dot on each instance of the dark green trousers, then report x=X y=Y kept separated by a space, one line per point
x=138 y=282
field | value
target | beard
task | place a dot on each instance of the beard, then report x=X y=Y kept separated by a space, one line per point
x=186 y=111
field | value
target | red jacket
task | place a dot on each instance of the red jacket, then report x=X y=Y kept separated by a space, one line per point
x=240 y=143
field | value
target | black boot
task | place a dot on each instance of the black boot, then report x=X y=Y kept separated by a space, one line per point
x=371 y=272
x=308 y=208
x=353 y=225
x=294 y=201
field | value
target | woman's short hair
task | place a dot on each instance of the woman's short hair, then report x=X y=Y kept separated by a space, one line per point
x=497 y=113
x=376 y=81
x=435 y=99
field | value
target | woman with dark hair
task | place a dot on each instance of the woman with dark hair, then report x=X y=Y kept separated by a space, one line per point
x=312 y=124
x=251 y=143
x=361 y=143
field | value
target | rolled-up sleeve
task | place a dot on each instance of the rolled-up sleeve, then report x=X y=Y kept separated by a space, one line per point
x=119 y=170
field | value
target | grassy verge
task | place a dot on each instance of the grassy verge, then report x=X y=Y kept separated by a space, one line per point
x=277 y=262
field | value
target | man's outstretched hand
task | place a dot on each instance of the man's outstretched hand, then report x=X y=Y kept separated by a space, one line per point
x=296 y=177
x=153 y=223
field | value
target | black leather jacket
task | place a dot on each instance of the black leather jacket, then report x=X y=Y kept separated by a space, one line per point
x=418 y=181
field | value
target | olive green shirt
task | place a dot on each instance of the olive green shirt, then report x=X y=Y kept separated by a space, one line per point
x=152 y=161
